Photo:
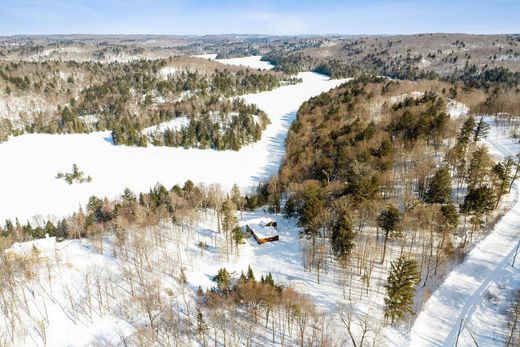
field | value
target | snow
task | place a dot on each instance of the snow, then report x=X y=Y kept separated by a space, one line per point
x=457 y=109
x=399 y=98
x=47 y=245
x=29 y=187
x=167 y=71
x=261 y=228
x=174 y=124
x=71 y=261
x=210 y=56
x=466 y=286
x=252 y=62
x=489 y=321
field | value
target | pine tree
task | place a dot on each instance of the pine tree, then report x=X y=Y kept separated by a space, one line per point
x=242 y=279
x=466 y=131
x=479 y=201
x=238 y=236
x=223 y=280
x=312 y=210
x=229 y=220
x=289 y=209
x=478 y=167
x=269 y=279
x=388 y=220
x=342 y=238
x=502 y=172
x=439 y=189
x=481 y=130
x=250 y=275
x=400 y=288
x=128 y=196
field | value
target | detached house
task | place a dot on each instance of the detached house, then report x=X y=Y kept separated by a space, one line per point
x=263 y=229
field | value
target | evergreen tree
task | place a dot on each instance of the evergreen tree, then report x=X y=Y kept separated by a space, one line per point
x=342 y=238
x=479 y=201
x=238 y=236
x=312 y=210
x=388 y=220
x=242 y=279
x=223 y=280
x=269 y=279
x=128 y=196
x=450 y=217
x=229 y=220
x=400 y=288
x=250 y=274
x=478 y=167
x=466 y=131
x=481 y=130
x=439 y=189
x=502 y=172
x=289 y=209
x=236 y=196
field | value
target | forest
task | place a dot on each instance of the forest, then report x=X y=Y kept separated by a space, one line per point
x=125 y=98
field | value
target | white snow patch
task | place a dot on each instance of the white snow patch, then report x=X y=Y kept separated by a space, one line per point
x=210 y=56
x=252 y=62
x=457 y=109
x=174 y=124
x=167 y=71
x=400 y=98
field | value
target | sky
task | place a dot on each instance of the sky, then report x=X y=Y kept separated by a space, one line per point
x=278 y=17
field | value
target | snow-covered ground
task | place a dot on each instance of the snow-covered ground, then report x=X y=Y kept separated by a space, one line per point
x=174 y=124
x=252 y=62
x=489 y=321
x=30 y=162
x=211 y=56
x=457 y=109
x=80 y=296
x=465 y=287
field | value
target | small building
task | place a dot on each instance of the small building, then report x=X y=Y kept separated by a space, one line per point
x=263 y=229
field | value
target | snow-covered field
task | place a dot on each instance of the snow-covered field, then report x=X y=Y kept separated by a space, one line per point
x=466 y=286
x=174 y=124
x=251 y=61
x=30 y=162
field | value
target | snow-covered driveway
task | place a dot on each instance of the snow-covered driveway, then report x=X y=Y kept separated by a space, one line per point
x=456 y=299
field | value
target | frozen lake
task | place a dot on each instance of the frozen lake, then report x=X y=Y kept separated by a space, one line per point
x=28 y=186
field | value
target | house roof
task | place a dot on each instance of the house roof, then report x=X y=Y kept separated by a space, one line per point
x=258 y=225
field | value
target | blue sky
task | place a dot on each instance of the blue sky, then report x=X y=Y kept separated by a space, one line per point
x=257 y=17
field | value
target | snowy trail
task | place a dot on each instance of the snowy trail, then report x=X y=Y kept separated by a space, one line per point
x=460 y=294
x=28 y=186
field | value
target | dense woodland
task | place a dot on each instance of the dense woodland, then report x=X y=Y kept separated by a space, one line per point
x=128 y=97
x=405 y=174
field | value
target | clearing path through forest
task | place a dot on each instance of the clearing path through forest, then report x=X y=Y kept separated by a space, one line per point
x=439 y=322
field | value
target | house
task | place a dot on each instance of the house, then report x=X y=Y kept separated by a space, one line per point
x=263 y=229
